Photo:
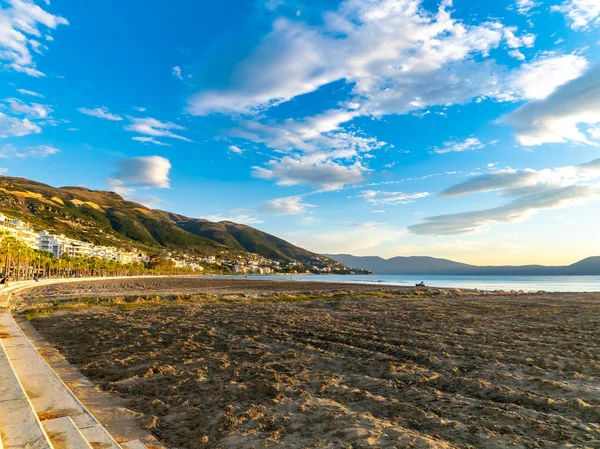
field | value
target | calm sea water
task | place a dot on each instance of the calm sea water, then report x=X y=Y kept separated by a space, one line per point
x=525 y=283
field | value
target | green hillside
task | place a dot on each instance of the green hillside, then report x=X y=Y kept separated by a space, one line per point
x=106 y=218
x=244 y=237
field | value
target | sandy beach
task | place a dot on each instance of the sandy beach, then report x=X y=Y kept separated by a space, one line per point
x=230 y=363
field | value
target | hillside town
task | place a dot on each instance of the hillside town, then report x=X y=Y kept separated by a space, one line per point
x=61 y=246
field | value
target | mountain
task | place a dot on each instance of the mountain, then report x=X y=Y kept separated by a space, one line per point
x=244 y=237
x=105 y=218
x=589 y=266
x=434 y=266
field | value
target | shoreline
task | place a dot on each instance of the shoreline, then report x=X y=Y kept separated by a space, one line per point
x=499 y=283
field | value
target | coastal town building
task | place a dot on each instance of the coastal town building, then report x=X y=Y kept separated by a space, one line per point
x=19 y=230
x=60 y=245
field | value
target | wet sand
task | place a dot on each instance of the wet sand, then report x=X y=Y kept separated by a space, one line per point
x=377 y=367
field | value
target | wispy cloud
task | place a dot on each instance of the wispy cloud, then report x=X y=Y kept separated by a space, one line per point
x=101 y=112
x=155 y=128
x=526 y=6
x=151 y=140
x=40 y=151
x=389 y=198
x=20 y=25
x=291 y=205
x=30 y=93
x=32 y=110
x=17 y=127
x=470 y=144
x=556 y=119
x=316 y=170
x=583 y=15
x=234 y=149
x=177 y=72
x=531 y=191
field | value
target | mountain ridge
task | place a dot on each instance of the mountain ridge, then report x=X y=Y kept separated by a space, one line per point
x=105 y=218
x=426 y=265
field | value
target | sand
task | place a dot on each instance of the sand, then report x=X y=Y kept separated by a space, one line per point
x=378 y=368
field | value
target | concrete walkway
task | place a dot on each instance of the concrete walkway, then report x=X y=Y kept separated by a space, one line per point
x=37 y=409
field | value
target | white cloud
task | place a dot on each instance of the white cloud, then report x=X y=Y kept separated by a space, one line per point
x=514 y=41
x=540 y=78
x=517 y=210
x=594 y=133
x=291 y=205
x=151 y=140
x=317 y=133
x=517 y=55
x=19 y=33
x=556 y=119
x=531 y=191
x=40 y=151
x=139 y=108
x=388 y=198
x=101 y=112
x=145 y=172
x=30 y=93
x=177 y=72
x=316 y=144
x=582 y=14
x=398 y=56
x=16 y=127
x=235 y=149
x=315 y=170
x=525 y=6
x=498 y=180
x=470 y=144
x=32 y=110
x=155 y=128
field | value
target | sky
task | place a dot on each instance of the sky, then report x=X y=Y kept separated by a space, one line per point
x=460 y=129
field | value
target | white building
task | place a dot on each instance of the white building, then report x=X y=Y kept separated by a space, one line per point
x=19 y=230
x=239 y=269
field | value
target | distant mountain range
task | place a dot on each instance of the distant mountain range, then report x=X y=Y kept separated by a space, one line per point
x=434 y=266
x=105 y=218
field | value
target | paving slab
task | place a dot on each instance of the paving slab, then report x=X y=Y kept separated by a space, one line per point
x=49 y=395
x=10 y=389
x=136 y=444
x=98 y=437
x=19 y=424
x=64 y=434
x=20 y=427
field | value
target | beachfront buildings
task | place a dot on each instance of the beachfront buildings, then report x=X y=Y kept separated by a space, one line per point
x=19 y=230
x=60 y=245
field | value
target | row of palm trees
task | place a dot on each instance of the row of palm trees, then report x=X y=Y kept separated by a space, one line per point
x=20 y=262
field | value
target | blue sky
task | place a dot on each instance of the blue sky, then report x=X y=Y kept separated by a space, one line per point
x=465 y=129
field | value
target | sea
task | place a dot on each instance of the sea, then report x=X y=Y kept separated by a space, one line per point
x=507 y=283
